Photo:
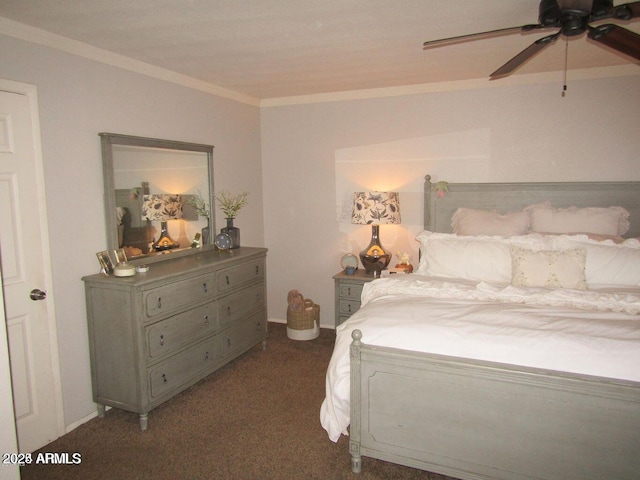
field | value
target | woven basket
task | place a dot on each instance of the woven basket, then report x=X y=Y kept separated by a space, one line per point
x=306 y=319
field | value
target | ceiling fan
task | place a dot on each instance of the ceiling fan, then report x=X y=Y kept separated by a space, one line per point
x=572 y=17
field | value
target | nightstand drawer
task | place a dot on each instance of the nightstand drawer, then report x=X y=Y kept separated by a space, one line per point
x=349 y=307
x=351 y=290
x=348 y=290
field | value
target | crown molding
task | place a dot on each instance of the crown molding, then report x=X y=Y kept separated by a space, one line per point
x=42 y=37
x=47 y=39
x=455 y=85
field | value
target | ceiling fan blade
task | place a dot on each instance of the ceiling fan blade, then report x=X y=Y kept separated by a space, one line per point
x=524 y=55
x=478 y=36
x=618 y=38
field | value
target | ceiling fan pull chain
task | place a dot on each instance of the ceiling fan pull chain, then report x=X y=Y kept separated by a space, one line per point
x=566 y=62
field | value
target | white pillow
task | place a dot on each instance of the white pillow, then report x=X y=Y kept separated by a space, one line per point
x=549 y=268
x=608 y=263
x=470 y=221
x=603 y=221
x=478 y=258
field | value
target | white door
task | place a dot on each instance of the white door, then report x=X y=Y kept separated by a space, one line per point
x=26 y=272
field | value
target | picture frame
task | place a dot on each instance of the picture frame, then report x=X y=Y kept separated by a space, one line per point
x=120 y=256
x=106 y=265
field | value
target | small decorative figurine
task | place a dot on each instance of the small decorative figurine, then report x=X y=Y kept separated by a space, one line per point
x=404 y=262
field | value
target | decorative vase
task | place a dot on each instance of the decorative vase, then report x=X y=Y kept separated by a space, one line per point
x=233 y=232
x=375 y=257
x=205 y=236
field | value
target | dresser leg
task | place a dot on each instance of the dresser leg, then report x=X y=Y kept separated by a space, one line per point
x=144 y=421
x=101 y=410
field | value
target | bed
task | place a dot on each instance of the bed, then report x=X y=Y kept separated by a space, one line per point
x=555 y=395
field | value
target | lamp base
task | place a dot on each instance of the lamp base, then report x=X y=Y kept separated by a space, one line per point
x=165 y=242
x=375 y=257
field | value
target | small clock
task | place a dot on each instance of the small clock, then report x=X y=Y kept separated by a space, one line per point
x=223 y=241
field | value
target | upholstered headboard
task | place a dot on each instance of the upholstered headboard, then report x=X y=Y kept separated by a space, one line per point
x=510 y=197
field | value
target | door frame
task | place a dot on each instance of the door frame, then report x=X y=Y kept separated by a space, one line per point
x=31 y=92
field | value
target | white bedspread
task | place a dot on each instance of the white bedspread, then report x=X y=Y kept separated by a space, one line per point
x=594 y=332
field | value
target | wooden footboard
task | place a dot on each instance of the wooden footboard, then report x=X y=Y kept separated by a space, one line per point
x=479 y=420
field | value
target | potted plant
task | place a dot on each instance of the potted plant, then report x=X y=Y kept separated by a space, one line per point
x=230 y=205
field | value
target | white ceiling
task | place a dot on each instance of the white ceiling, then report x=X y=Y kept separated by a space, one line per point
x=281 y=48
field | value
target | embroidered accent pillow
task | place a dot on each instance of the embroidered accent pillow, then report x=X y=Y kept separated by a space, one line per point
x=551 y=269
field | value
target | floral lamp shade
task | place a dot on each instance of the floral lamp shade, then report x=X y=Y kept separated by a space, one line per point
x=162 y=206
x=375 y=208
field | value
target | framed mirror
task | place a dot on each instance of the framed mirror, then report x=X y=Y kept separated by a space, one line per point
x=158 y=196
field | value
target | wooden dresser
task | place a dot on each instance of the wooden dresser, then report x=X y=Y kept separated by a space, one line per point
x=155 y=334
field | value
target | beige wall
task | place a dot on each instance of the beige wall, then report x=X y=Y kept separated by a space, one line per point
x=314 y=157
x=78 y=98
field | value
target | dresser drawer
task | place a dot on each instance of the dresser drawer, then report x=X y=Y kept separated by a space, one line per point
x=174 y=332
x=349 y=307
x=238 y=305
x=168 y=298
x=244 y=333
x=351 y=290
x=180 y=368
x=229 y=278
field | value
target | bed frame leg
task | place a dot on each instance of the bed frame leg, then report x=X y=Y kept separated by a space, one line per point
x=356 y=463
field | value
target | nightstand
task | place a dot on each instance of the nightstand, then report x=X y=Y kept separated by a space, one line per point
x=348 y=291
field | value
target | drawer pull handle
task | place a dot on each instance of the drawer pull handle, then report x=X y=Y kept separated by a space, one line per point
x=206 y=356
x=161 y=339
x=229 y=310
x=206 y=320
x=164 y=378
x=349 y=291
x=228 y=342
x=228 y=282
x=258 y=326
x=159 y=302
x=204 y=287
x=257 y=269
x=349 y=308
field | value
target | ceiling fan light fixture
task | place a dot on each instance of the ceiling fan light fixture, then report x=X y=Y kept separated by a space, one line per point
x=574 y=24
x=576 y=6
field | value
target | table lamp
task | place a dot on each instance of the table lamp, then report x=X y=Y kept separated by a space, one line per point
x=375 y=209
x=162 y=207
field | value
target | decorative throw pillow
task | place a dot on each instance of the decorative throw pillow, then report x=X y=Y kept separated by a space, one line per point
x=548 y=268
x=470 y=221
x=593 y=220
x=478 y=258
x=608 y=262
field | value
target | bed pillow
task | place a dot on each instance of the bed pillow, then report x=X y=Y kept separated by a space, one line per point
x=594 y=220
x=608 y=263
x=470 y=221
x=549 y=268
x=478 y=258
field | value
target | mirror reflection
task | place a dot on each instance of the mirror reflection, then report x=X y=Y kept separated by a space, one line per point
x=158 y=195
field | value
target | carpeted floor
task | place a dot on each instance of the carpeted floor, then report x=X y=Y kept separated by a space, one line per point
x=256 y=418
